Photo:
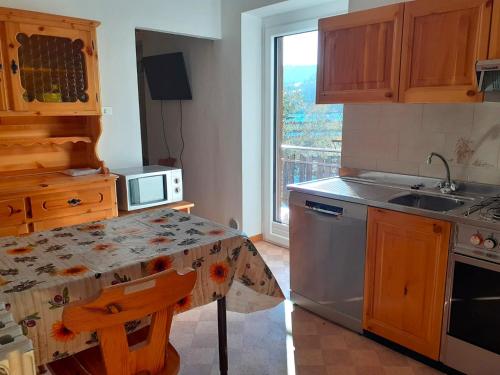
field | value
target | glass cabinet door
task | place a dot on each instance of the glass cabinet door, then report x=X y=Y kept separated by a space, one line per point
x=51 y=69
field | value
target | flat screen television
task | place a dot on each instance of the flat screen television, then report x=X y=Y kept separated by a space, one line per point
x=167 y=77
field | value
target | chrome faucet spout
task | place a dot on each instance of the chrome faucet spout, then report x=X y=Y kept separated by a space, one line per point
x=448 y=185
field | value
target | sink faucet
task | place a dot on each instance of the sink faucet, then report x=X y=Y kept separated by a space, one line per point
x=448 y=186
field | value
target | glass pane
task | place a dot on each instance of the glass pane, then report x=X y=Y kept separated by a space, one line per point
x=52 y=69
x=475 y=306
x=308 y=135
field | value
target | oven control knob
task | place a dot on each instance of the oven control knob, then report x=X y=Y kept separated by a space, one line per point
x=476 y=239
x=490 y=243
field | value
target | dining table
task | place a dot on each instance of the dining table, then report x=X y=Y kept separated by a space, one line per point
x=43 y=272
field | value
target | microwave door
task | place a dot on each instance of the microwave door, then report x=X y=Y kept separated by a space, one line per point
x=146 y=190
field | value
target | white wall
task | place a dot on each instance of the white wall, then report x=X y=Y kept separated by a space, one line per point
x=251 y=122
x=203 y=157
x=217 y=147
x=398 y=137
x=120 y=144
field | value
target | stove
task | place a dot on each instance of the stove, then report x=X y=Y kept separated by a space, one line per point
x=470 y=341
x=476 y=241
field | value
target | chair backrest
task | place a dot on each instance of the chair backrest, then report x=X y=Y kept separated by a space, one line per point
x=154 y=295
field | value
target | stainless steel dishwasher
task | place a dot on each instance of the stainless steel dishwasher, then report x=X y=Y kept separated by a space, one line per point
x=327 y=257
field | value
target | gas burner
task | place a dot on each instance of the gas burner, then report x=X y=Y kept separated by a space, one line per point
x=494 y=212
x=481 y=205
x=489 y=209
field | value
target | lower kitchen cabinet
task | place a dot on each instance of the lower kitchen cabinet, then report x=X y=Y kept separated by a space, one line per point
x=405 y=274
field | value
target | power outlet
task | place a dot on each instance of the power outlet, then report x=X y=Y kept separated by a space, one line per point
x=107 y=110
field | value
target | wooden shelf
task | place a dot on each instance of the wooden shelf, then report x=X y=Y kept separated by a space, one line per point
x=7 y=142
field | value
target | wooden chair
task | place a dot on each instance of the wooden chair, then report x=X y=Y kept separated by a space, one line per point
x=120 y=354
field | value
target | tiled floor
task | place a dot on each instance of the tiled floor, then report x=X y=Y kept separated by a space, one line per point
x=286 y=340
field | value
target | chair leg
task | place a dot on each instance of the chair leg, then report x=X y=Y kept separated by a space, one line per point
x=222 y=328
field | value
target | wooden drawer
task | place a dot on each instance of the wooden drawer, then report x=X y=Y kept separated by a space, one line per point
x=15 y=230
x=12 y=212
x=73 y=202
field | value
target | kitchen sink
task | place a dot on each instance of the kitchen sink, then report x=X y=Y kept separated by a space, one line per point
x=427 y=202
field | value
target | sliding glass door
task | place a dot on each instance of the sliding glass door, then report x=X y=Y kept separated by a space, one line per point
x=307 y=136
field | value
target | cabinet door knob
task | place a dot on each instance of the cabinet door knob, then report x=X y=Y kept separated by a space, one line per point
x=388 y=94
x=14 y=67
x=74 y=202
x=471 y=93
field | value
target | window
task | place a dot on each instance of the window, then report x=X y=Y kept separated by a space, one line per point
x=307 y=136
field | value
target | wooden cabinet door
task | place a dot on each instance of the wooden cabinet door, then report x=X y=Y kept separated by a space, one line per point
x=359 y=56
x=405 y=279
x=51 y=69
x=442 y=40
x=494 y=51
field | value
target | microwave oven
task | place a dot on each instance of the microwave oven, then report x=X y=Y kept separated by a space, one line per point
x=147 y=186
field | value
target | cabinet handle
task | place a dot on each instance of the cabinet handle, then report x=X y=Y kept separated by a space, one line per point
x=74 y=202
x=388 y=94
x=471 y=93
x=14 y=67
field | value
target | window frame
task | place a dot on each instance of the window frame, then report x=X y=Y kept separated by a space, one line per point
x=273 y=231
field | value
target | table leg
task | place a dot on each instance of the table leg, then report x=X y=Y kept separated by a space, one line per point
x=222 y=325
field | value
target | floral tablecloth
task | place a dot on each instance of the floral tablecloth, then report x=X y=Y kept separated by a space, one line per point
x=42 y=272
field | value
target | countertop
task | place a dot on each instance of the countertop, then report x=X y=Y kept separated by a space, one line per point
x=377 y=190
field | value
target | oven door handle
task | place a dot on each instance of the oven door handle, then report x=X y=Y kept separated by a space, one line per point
x=480 y=263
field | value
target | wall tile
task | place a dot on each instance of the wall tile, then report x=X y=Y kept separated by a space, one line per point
x=415 y=145
x=360 y=163
x=486 y=176
x=398 y=137
x=448 y=118
x=362 y=144
x=436 y=169
x=487 y=120
x=362 y=116
x=404 y=167
x=395 y=117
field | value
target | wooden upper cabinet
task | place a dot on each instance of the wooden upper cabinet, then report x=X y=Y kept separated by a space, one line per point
x=359 y=56
x=442 y=40
x=494 y=51
x=406 y=261
x=51 y=69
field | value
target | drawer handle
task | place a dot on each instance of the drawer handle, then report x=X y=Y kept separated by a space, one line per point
x=14 y=211
x=14 y=67
x=74 y=202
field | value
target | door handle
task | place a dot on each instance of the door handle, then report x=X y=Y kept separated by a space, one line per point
x=325 y=212
x=14 y=66
x=74 y=202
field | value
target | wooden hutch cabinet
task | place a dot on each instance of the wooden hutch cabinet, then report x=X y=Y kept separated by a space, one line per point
x=50 y=121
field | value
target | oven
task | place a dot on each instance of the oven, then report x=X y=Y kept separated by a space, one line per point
x=471 y=333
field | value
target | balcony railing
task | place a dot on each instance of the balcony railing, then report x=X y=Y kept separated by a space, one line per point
x=300 y=164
